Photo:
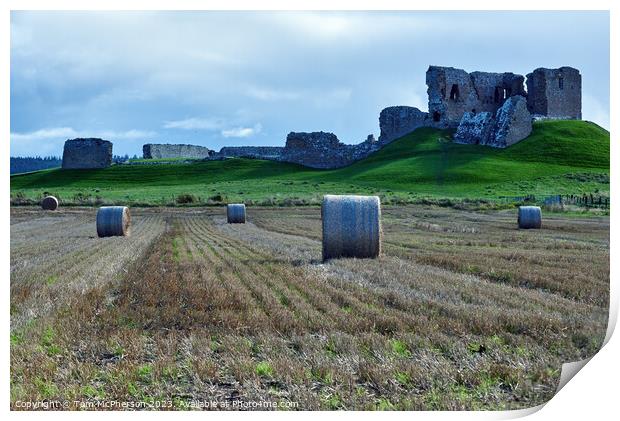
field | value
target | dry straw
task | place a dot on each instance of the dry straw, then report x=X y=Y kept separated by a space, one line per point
x=235 y=213
x=351 y=226
x=529 y=217
x=113 y=221
x=49 y=203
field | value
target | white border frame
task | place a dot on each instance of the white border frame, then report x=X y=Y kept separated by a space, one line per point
x=592 y=393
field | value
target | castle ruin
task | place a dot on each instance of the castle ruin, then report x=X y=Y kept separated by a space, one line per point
x=311 y=149
x=510 y=124
x=454 y=92
x=87 y=153
x=551 y=93
x=272 y=153
x=396 y=122
x=492 y=109
x=163 y=151
x=555 y=93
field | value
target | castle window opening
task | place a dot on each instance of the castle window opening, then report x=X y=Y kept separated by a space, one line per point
x=454 y=92
x=500 y=94
x=561 y=83
x=436 y=116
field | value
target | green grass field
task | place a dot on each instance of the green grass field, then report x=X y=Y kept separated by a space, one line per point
x=559 y=157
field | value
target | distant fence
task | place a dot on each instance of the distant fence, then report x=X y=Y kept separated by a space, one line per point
x=584 y=200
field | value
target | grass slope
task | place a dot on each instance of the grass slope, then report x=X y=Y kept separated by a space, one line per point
x=559 y=157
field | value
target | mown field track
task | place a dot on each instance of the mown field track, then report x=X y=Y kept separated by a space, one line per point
x=463 y=311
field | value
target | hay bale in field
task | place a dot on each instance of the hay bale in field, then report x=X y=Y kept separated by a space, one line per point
x=49 y=203
x=113 y=221
x=235 y=213
x=351 y=226
x=529 y=217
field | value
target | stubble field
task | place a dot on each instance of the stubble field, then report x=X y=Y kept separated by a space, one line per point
x=462 y=310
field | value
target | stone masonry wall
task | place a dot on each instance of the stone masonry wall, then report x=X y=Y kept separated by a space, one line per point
x=475 y=129
x=395 y=122
x=314 y=149
x=513 y=122
x=324 y=150
x=159 y=151
x=257 y=152
x=454 y=92
x=84 y=153
x=510 y=124
x=555 y=93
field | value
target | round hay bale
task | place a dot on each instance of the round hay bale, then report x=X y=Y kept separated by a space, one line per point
x=235 y=213
x=49 y=203
x=529 y=217
x=351 y=226
x=113 y=221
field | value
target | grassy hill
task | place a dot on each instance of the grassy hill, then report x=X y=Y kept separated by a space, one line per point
x=559 y=157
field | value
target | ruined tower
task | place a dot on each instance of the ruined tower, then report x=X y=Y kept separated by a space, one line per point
x=87 y=153
x=555 y=93
x=454 y=92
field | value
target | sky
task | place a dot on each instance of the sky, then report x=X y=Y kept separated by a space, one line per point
x=248 y=78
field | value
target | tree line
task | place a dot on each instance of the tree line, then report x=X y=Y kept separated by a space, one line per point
x=20 y=164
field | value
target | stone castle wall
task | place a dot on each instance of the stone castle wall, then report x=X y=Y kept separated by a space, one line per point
x=159 y=151
x=86 y=153
x=510 y=124
x=555 y=93
x=313 y=149
x=454 y=92
x=513 y=122
x=324 y=150
x=395 y=122
x=258 y=152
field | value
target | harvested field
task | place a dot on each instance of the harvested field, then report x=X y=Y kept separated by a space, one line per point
x=462 y=310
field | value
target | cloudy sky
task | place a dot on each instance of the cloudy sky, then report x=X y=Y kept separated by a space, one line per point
x=249 y=78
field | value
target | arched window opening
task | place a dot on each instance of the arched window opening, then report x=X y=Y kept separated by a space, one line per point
x=561 y=83
x=436 y=116
x=454 y=92
x=500 y=94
